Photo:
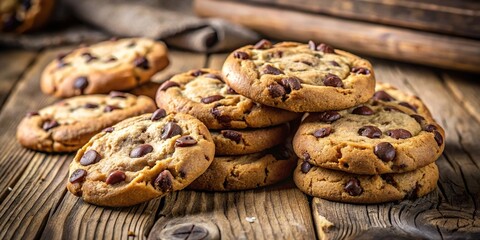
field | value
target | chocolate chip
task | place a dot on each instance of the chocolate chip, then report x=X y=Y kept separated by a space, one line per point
x=171 y=129
x=61 y=56
x=363 y=110
x=269 y=69
x=158 y=114
x=232 y=135
x=11 y=23
x=31 y=114
x=370 y=132
x=276 y=90
x=62 y=64
x=111 y=59
x=328 y=116
x=305 y=167
x=117 y=94
x=385 y=151
x=141 y=62
x=399 y=133
x=90 y=157
x=280 y=152
x=197 y=73
x=241 y=55
x=383 y=96
x=312 y=45
x=141 y=150
x=109 y=129
x=78 y=176
x=89 y=57
x=307 y=63
x=430 y=128
x=360 y=70
x=218 y=115
x=116 y=177
x=408 y=105
x=276 y=54
x=110 y=108
x=49 y=124
x=306 y=156
x=389 y=179
x=291 y=83
x=332 y=80
x=231 y=91
x=90 y=105
x=325 y=48
x=214 y=76
x=353 y=187
x=418 y=118
x=132 y=44
x=27 y=4
x=263 y=44
x=322 y=132
x=185 y=141
x=438 y=138
x=81 y=83
x=333 y=63
x=168 y=84
x=164 y=181
x=210 y=99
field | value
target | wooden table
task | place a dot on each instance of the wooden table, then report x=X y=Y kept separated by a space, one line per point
x=34 y=202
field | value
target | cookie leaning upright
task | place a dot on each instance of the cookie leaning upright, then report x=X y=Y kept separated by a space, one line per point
x=100 y=68
x=299 y=77
x=141 y=158
x=203 y=94
x=67 y=125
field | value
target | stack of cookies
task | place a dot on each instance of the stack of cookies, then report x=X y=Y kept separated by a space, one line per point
x=250 y=138
x=355 y=145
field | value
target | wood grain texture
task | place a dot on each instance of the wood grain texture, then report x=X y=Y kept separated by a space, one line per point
x=74 y=219
x=466 y=90
x=13 y=64
x=451 y=17
x=450 y=212
x=365 y=38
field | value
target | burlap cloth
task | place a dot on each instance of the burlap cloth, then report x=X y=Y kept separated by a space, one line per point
x=77 y=21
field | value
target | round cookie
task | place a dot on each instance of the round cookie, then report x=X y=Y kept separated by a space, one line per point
x=68 y=124
x=299 y=77
x=241 y=142
x=23 y=16
x=100 y=68
x=351 y=188
x=384 y=135
x=203 y=94
x=229 y=173
x=141 y=158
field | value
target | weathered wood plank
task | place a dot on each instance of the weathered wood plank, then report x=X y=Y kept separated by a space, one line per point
x=450 y=212
x=14 y=63
x=465 y=89
x=365 y=38
x=74 y=219
x=281 y=211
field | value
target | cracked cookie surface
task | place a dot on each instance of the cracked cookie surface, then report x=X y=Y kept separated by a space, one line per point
x=23 y=16
x=100 y=68
x=299 y=77
x=68 y=124
x=229 y=173
x=204 y=94
x=391 y=133
x=352 y=188
x=141 y=158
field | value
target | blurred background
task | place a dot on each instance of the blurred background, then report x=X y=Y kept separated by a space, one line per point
x=438 y=33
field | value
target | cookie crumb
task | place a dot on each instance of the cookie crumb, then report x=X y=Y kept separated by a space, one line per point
x=131 y=234
x=251 y=219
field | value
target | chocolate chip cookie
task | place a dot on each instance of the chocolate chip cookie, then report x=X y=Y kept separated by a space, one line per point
x=299 y=77
x=68 y=124
x=100 y=68
x=228 y=173
x=351 y=188
x=388 y=134
x=241 y=142
x=141 y=158
x=203 y=94
x=23 y=16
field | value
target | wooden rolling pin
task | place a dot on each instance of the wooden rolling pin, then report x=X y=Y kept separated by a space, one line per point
x=359 y=37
